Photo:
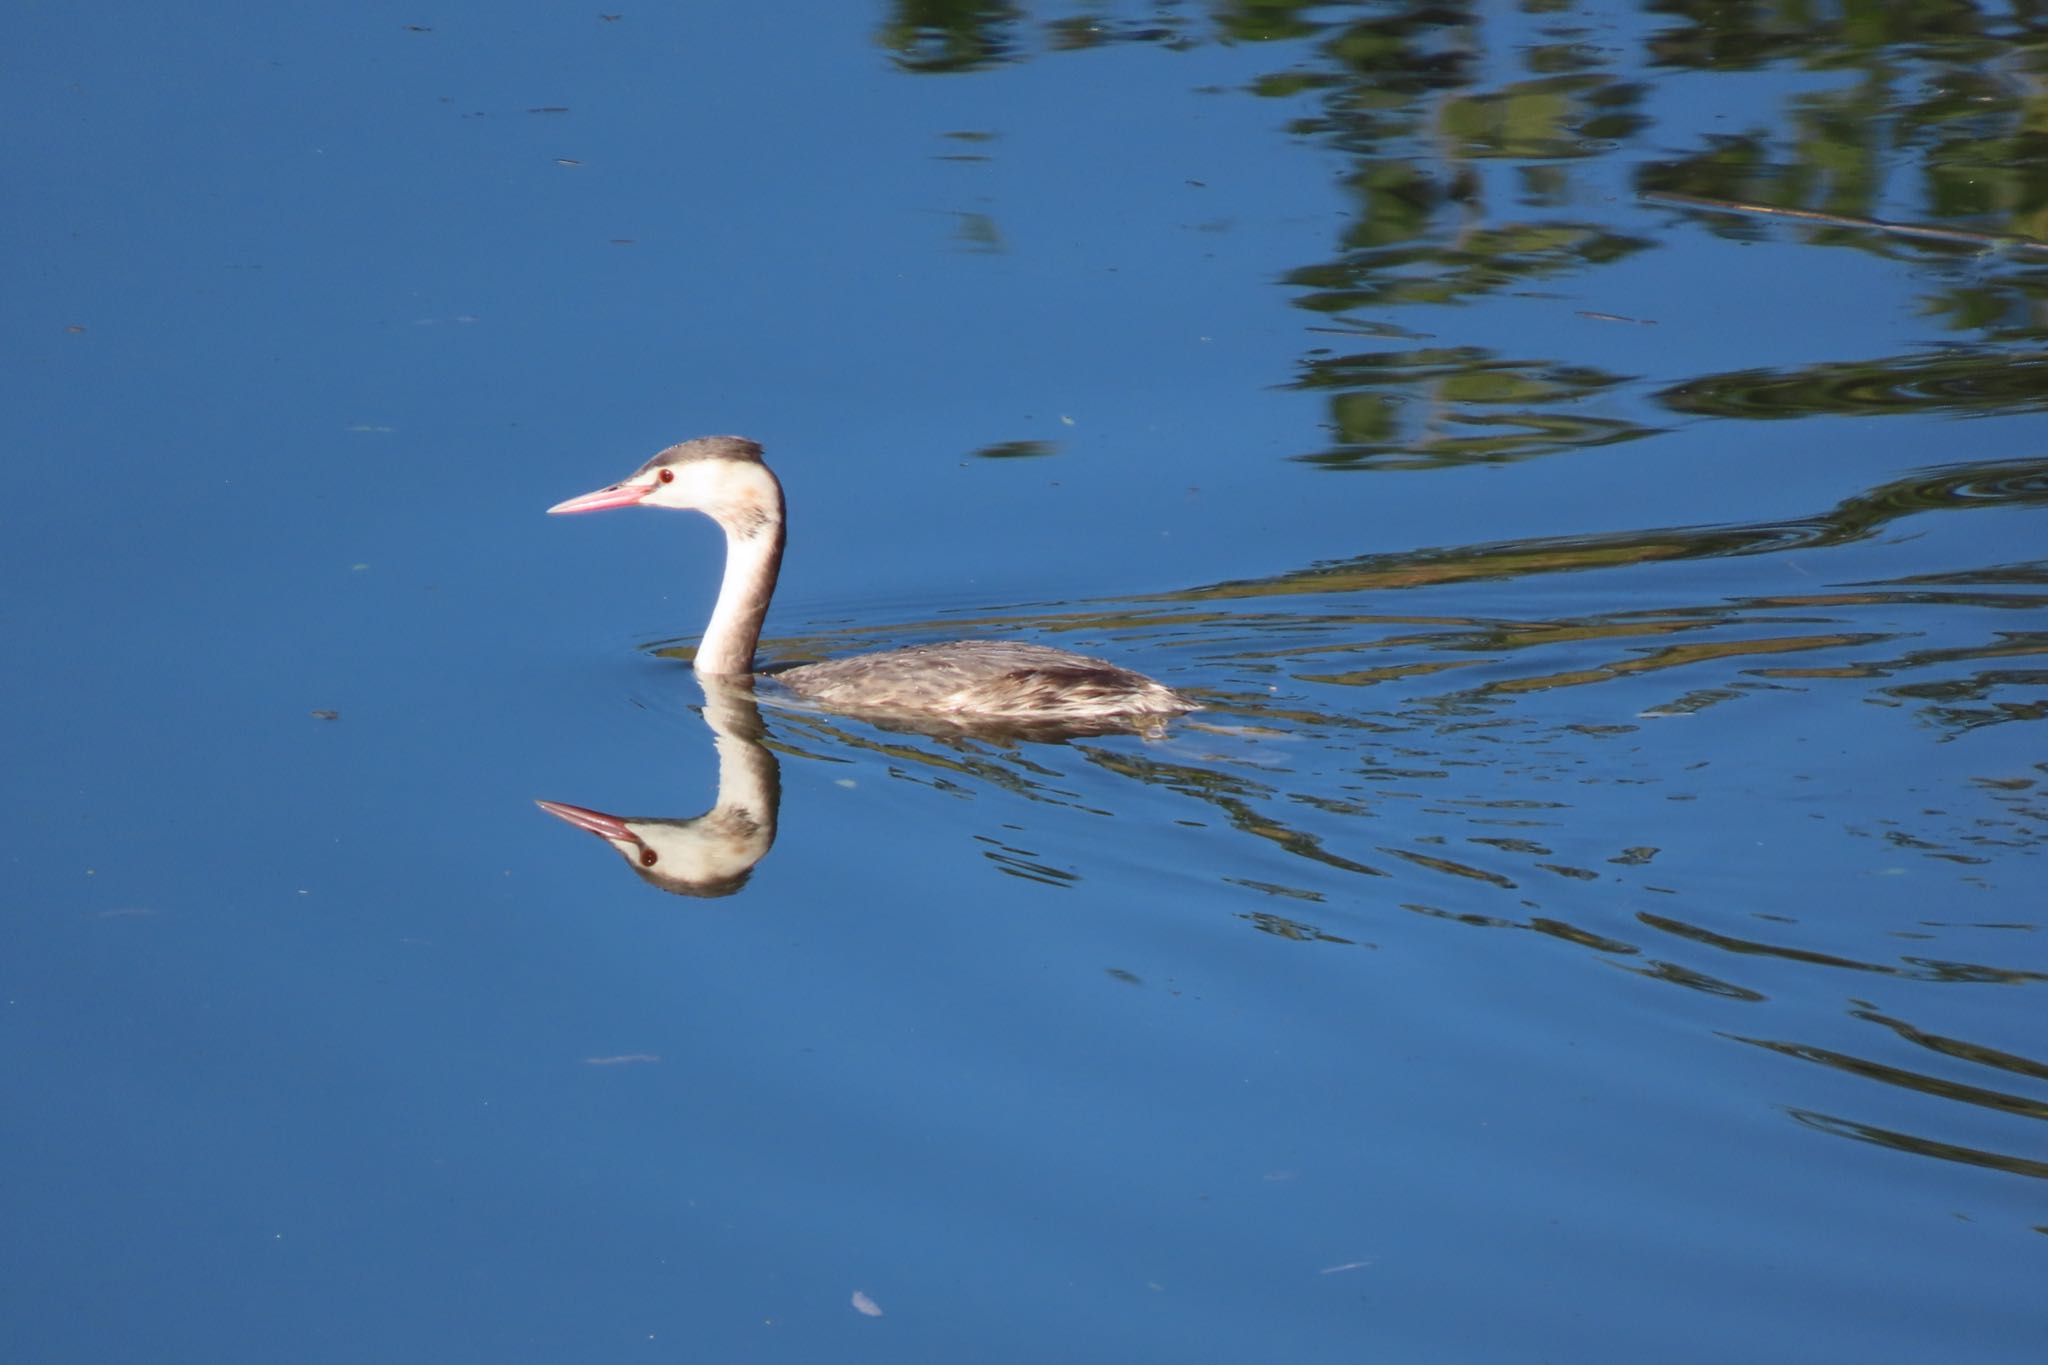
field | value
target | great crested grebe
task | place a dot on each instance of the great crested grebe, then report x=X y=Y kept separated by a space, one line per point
x=968 y=680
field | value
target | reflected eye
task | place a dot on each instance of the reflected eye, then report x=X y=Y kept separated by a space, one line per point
x=648 y=858
x=668 y=476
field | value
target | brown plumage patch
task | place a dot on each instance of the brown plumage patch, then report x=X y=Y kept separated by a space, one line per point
x=1079 y=687
x=971 y=681
x=748 y=520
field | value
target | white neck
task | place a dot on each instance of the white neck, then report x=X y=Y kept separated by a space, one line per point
x=753 y=559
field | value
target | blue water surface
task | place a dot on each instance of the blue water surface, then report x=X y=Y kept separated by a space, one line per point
x=1596 y=916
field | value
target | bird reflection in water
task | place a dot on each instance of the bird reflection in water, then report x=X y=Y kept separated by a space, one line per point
x=712 y=854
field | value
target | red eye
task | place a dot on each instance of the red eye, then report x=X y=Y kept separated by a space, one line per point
x=648 y=858
x=668 y=476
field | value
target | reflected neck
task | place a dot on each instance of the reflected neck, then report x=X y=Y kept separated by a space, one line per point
x=749 y=779
x=753 y=559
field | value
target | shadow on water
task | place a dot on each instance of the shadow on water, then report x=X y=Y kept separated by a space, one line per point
x=1449 y=764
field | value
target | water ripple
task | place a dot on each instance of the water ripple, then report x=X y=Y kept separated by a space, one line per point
x=1977 y=381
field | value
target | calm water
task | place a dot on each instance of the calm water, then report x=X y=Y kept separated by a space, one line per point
x=1598 y=916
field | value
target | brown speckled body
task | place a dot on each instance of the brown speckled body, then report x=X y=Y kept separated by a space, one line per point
x=998 y=679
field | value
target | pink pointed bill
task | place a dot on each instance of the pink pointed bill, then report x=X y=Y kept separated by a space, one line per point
x=596 y=821
x=618 y=495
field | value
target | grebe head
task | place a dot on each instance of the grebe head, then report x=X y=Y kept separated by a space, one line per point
x=708 y=856
x=720 y=476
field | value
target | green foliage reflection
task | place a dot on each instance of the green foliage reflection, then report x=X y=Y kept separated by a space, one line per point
x=1476 y=147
